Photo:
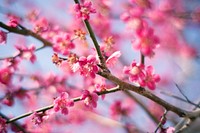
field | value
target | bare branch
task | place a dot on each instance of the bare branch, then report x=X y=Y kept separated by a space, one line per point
x=179 y=98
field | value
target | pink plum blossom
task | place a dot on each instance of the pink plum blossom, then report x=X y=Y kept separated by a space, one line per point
x=27 y=52
x=150 y=78
x=100 y=88
x=5 y=76
x=63 y=43
x=62 y=103
x=118 y=109
x=113 y=58
x=37 y=118
x=13 y=22
x=90 y=99
x=87 y=66
x=84 y=10
x=146 y=41
x=41 y=25
x=135 y=71
x=141 y=75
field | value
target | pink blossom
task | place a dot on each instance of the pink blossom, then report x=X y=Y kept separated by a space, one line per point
x=90 y=99
x=100 y=88
x=87 y=66
x=12 y=63
x=5 y=76
x=133 y=18
x=141 y=75
x=63 y=43
x=108 y=44
x=84 y=10
x=37 y=118
x=113 y=58
x=3 y=125
x=55 y=59
x=117 y=109
x=102 y=24
x=3 y=37
x=41 y=25
x=150 y=78
x=27 y=52
x=33 y=15
x=146 y=41
x=13 y=22
x=62 y=103
x=80 y=34
x=135 y=71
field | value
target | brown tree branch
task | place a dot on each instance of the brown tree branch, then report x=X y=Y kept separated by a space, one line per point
x=147 y=94
x=23 y=31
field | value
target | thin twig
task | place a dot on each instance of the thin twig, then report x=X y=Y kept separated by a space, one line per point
x=179 y=98
x=163 y=118
x=142 y=58
x=114 y=89
x=182 y=93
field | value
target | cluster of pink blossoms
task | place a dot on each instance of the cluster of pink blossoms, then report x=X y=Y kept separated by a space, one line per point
x=84 y=10
x=87 y=66
x=146 y=41
x=63 y=43
x=141 y=75
x=90 y=99
x=62 y=103
x=27 y=52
